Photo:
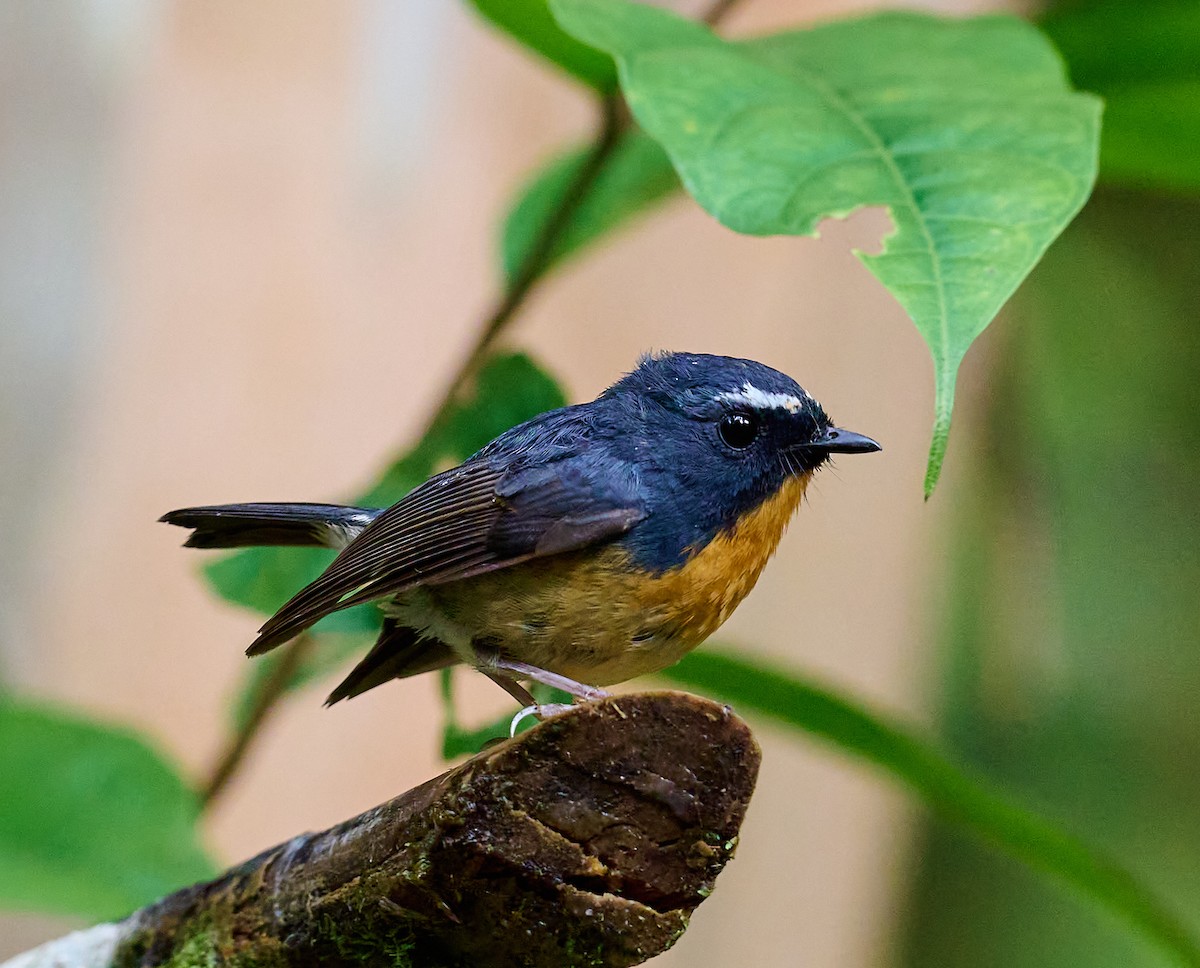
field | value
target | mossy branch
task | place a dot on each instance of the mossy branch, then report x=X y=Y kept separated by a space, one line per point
x=588 y=840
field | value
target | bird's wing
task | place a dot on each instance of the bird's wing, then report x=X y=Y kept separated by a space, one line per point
x=466 y=521
x=399 y=652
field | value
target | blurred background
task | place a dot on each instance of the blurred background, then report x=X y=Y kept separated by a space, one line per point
x=244 y=246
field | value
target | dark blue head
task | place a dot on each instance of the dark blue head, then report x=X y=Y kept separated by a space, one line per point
x=714 y=436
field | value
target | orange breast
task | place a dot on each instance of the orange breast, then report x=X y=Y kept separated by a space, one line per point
x=598 y=619
x=702 y=593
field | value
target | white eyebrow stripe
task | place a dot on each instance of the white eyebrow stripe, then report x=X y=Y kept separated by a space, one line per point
x=752 y=396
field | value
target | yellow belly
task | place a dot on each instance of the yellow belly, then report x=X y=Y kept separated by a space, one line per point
x=592 y=618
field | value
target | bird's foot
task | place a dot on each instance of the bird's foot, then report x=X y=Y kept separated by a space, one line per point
x=543 y=711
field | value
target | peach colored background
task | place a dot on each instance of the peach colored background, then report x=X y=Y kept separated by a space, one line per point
x=292 y=210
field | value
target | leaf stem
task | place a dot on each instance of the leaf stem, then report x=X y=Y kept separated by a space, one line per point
x=717 y=11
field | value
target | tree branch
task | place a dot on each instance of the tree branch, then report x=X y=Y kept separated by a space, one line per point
x=588 y=840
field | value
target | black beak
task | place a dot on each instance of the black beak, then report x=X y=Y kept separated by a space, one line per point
x=838 y=441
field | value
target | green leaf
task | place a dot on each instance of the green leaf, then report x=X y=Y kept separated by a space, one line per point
x=530 y=23
x=1144 y=60
x=93 y=822
x=635 y=176
x=958 y=797
x=966 y=130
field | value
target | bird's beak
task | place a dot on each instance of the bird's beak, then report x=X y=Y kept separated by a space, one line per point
x=838 y=441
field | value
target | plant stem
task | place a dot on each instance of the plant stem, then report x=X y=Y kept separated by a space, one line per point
x=613 y=122
x=273 y=687
x=717 y=11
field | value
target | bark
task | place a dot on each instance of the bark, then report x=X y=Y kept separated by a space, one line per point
x=588 y=840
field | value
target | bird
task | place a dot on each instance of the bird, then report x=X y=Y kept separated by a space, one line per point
x=585 y=547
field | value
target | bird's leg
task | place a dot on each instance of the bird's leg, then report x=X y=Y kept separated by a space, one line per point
x=522 y=695
x=502 y=672
x=525 y=671
x=543 y=712
x=511 y=686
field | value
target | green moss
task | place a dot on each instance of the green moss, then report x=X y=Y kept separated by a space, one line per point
x=207 y=943
x=371 y=940
x=593 y=956
x=199 y=951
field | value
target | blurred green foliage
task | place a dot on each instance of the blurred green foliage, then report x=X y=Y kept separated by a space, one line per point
x=1071 y=637
x=1144 y=60
x=93 y=822
x=1072 y=663
x=956 y=796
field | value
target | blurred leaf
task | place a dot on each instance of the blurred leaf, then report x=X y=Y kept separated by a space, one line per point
x=1144 y=59
x=93 y=822
x=509 y=389
x=265 y=578
x=530 y=23
x=958 y=797
x=966 y=130
x=636 y=175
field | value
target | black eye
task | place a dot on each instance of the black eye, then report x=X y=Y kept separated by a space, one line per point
x=738 y=430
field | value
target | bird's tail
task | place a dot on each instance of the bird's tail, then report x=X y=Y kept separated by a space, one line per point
x=247 y=525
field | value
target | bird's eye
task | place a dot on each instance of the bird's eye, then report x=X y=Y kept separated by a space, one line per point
x=738 y=430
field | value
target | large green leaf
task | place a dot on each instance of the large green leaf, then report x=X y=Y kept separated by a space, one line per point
x=1144 y=59
x=956 y=796
x=93 y=822
x=530 y=23
x=966 y=130
x=509 y=388
x=635 y=176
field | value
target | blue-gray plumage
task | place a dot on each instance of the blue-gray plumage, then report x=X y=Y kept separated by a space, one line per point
x=591 y=544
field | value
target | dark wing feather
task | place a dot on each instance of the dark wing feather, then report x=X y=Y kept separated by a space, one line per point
x=466 y=521
x=400 y=652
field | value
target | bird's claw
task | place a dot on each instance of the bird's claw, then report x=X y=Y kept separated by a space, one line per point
x=541 y=711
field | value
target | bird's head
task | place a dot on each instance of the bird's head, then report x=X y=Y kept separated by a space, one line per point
x=719 y=435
